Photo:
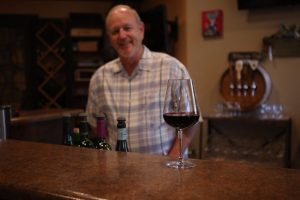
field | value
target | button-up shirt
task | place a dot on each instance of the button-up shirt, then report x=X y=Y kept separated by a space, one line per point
x=139 y=98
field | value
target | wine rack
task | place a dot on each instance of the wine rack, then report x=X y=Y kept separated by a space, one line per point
x=51 y=63
x=86 y=45
x=17 y=61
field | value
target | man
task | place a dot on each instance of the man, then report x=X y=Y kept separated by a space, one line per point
x=134 y=86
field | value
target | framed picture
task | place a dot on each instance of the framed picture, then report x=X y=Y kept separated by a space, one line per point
x=212 y=23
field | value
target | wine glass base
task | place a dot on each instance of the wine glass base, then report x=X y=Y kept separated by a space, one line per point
x=178 y=164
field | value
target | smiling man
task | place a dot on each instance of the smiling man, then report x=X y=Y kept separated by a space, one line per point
x=134 y=86
x=126 y=32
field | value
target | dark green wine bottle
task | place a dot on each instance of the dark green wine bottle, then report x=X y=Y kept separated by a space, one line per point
x=122 y=135
x=100 y=142
x=67 y=129
x=84 y=132
x=76 y=136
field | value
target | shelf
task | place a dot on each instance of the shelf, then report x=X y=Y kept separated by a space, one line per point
x=86 y=32
x=283 y=47
x=83 y=74
x=86 y=46
x=86 y=43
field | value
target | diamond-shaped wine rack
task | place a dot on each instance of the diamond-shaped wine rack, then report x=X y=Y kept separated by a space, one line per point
x=51 y=61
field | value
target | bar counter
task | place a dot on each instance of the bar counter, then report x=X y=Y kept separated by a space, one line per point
x=30 y=170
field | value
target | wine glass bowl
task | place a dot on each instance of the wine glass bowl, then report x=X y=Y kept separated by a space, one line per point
x=180 y=111
x=181 y=120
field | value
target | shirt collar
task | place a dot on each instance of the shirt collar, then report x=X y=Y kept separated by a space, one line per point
x=141 y=66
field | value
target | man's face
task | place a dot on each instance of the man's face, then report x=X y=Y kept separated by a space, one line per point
x=125 y=33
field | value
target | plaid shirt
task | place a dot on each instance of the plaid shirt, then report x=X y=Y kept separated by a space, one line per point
x=139 y=98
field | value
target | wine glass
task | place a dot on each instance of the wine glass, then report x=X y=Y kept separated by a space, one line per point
x=180 y=111
x=277 y=110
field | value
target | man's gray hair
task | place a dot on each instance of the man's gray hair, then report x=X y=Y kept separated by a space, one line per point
x=134 y=12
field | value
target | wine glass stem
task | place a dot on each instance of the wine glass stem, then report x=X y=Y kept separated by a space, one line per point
x=180 y=145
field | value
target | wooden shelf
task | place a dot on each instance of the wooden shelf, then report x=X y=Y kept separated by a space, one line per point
x=285 y=47
x=86 y=37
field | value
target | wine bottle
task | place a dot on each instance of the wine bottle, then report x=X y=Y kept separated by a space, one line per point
x=67 y=129
x=80 y=117
x=84 y=132
x=5 y=117
x=122 y=135
x=76 y=130
x=76 y=136
x=100 y=142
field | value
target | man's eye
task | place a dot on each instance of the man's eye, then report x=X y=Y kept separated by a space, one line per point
x=127 y=28
x=114 y=32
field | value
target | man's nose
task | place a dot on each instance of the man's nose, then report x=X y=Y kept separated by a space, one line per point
x=122 y=33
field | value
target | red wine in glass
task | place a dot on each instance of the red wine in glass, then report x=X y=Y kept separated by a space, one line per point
x=181 y=120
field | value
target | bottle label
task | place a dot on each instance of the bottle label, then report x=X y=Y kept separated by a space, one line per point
x=122 y=134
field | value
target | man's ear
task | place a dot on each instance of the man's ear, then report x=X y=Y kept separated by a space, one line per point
x=142 y=27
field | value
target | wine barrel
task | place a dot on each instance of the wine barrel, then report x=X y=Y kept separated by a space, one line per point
x=249 y=91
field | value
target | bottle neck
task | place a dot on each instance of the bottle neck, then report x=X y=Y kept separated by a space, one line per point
x=84 y=128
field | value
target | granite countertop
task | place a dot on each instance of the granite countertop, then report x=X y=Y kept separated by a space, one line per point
x=31 y=170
